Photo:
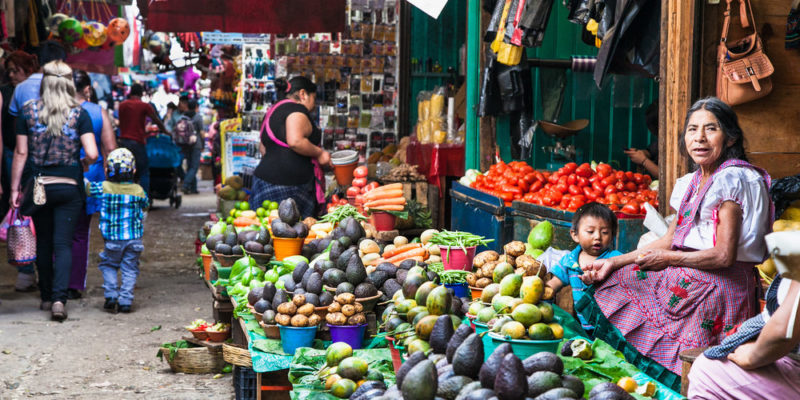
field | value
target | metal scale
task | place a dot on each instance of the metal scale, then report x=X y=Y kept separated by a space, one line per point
x=560 y=153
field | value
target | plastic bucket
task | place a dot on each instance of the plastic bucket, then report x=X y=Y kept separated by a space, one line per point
x=460 y=289
x=397 y=361
x=383 y=221
x=476 y=293
x=344 y=163
x=350 y=334
x=454 y=258
x=287 y=247
x=223 y=272
x=488 y=345
x=293 y=338
x=206 y=265
x=525 y=348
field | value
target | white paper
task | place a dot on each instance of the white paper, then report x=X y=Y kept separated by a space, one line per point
x=430 y=7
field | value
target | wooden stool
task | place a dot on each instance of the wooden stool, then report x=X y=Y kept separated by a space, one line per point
x=688 y=357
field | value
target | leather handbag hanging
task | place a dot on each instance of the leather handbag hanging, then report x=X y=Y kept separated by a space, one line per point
x=743 y=69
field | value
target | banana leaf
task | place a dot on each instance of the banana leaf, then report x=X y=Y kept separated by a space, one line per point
x=307 y=362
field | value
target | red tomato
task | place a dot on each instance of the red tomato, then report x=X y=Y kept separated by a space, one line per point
x=620 y=175
x=556 y=196
x=599 y=187
x=632 y=207
x=579 y=197
x=360 y=182
x=343 y=202
x=511 y=189
x=574 y=189
x=352 y=191
x=610 y=180
x=629 y=175
x=553 y=178
x=572 y=179
x=604 y=169
x=335 y=199
x=613 y=198
x=571 y=167
x=563 y=179
x=562 y=187
x=583 y=182
x=584 y=172
x=646 y=179
x=620 y=185
x=361 y=172
x=637 y=177
x=539 y=176
x=630 y=186
x=547 y=200
x=602 y=200
x=609 y=190
x=613 y=207
x=536 y=186
x=372 y=185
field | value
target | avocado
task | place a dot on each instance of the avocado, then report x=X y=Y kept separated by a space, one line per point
x=401 y=275
x=408 y=264
x=473 y=391
x=288 y=212
x=337 y=232
x=458 y=337
x=223 y=248
x=413 y=360
x=283 y=230
x=269 y=317
x=558 y=394
x=570 y=382
x=355 y=272
x=511 y=382
x=344 y=287
x=323 y=244
x=611 y=388
x=254 y=247
x=345 y=257
x=211 y=241
x=445 y=372
x=246 y=236
x=387 y=267
x=468 y=358
x=261 y=305
x=492 y=365
x=542 y=381
x=279 y=298
x=299 y=290
x=311 y=298
x=268 y=291
x=543 y=361
x=353 y=230
x=432 y=276
x=449 y=389
x=412 y=284
x=368 y=395
x=263 y=236
x=364 y=290
x=325 y=299
x=566 y=348
x=345 y=241
x=308 y=251
x=231 y=239
x=314 y=283
x=367 y=386
x=288 y=282
x=255 y=295
x=336 y=250
x=441 y=334
x=333 y=277
x=301 y=229
x=323 y=266
x=611 y=395
x=268 y=249
x=390 y=287
x=299 y=270
x=237 y=250
x=377 y=278
x=420 y=383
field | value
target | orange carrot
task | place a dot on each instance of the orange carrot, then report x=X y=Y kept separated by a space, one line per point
x=419 y=252
x=386 y=208
x=397 y=201
x=401 y=249
x=383 y=195
x=392 y=186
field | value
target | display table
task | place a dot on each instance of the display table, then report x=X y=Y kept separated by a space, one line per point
x=436 y=161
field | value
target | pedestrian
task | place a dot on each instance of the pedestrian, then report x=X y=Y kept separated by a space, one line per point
x=187 y=126
x=133 y=114
x=122 y=213
x=53 y=128
x=106 y=141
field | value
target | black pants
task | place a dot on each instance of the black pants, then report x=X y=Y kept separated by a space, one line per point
x=55 y=224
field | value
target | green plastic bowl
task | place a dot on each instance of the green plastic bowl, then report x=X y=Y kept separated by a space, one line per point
x=488 y=345
x=525 y=348
x=223 y=272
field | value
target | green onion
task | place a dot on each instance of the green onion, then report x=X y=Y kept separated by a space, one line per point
x=453 y=277
x=340 y=213
x=458 y=239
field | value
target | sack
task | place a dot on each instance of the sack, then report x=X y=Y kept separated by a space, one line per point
x=743 y=69
x=21 y=240
x=184 y=131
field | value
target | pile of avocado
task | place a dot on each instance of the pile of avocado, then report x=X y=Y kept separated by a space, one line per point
x=288 y=224
x=232 y=190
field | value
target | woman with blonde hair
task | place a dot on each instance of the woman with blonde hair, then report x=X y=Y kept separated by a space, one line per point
x=52 y=131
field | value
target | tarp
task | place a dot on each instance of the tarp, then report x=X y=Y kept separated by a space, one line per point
x=247 y=16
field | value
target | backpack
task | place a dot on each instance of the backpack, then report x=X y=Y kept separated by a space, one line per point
x=184 y=131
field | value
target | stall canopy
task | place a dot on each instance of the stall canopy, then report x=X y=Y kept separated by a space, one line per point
x=245 y=16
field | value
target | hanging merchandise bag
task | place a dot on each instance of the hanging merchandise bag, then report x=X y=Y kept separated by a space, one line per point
x=21 y=240
x=743 y=70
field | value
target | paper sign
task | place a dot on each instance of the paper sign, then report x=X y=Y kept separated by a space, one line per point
x=430 y=7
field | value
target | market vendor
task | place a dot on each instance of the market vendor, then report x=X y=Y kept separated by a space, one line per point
x=292 y=158
x=765 y=368
x=692 y=286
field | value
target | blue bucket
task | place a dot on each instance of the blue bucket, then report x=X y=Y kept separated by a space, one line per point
x=488 y=345
x=293 y=338
x=350 y=334
x=460 y=289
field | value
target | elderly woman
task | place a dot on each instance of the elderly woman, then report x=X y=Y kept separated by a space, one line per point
x=692 y=286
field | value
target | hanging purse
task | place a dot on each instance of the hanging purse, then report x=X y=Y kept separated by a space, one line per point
x=743 y=69
x=21 y=240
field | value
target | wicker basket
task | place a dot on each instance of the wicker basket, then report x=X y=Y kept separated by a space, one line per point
x=237 y=355
x=195 y=360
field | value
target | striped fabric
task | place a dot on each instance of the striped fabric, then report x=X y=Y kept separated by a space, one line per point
x=122 y=211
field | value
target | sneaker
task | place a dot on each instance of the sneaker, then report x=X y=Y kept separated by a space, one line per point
x=125 y=308
x=46 y=305
x=58 y=312
x=25 y=282
x=110 y=304
x=74 y=294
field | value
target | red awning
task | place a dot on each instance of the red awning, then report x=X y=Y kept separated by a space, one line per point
x=246 y=16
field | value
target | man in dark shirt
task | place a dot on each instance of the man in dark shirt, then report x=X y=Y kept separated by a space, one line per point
x=133 y=114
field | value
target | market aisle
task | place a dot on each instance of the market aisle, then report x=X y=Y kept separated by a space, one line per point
x=96 y=355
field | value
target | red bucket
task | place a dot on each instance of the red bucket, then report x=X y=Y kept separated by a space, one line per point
x=454 y=258
x=397 y=361
x=383 y=221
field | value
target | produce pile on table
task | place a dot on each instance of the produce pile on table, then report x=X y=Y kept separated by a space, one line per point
x=789 y=220
x=568 y=188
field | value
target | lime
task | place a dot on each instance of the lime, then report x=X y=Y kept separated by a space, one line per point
x=273 y=205
x=230 y=220
x=261 y=212
x=237 y=204
x=266 y=204
x=238 y=213
x=233 y=212
x=244 y=206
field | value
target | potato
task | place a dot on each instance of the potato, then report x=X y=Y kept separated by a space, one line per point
x=515 y=248
x=399 y=241
x=509 y=259
x=484 y=257
x=334 y=307
x=299 y=300
x=478 y=273
x=283 y=319
x=288 y=308
x=548 y=293
x=336 y=318
x=348 y=310
x=483 y=282
x=433 y=259
x=389 y=247
x=357 y=319
x=345 y=298
x=306 y=309
x=520 y=271
x=368 y=258
x=369 y=246
x=359 y=307
x=299 y=321
x=427 y=235
x=531 y=265
x=369 y=229
x=471 y=279
x=314 y=320
x=488 y=269
x=434 y=249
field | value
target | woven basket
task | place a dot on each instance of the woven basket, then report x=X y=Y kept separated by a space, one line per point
x=237 y=355
x=195 y=360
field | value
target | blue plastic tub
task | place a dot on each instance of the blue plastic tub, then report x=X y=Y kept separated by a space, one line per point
x=353 y=335
x=460 y=289
x=292 y=338
x=488 y=345
x=525 y=348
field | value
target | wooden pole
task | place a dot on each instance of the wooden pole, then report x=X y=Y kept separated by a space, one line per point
x=486 y=125
x=676 y=91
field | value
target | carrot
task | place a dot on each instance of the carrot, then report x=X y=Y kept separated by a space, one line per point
x=420 y=252
x=392 y=186
x=383 y=195
x=401 y=249
x=376 y=261
x=387 y=208
x=397 y=201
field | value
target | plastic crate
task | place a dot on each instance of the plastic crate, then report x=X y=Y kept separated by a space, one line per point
x=481 y=214
x=244 y=383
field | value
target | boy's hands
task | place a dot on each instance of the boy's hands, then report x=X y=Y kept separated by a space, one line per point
x=597 y=271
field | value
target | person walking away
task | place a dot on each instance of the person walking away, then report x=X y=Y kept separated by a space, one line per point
x=133 y=114
x=122 y=213
x=106 y=141
x=54 y=128
x=187 y=127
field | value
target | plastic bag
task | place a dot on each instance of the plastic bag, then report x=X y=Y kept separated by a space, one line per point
x=784 y=191
x=5 y=225
x=21 y=239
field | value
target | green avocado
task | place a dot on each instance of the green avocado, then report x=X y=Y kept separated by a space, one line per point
x=468 y=358
x=541 y=235
x=441 y=334
x=421 y=382
x=490 y=367
x=511 y=382
x=542 y=381
x=449 y=389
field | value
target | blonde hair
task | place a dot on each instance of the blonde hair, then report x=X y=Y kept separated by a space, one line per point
x=58 y=96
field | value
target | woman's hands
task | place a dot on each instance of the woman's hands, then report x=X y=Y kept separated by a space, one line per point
x=743 y=356
x=13 y=200
x=324 y=159
x=637 y=156
x=654 y=259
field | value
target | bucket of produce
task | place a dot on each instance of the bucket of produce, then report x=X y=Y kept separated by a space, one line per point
x=292 y=338
x=350 y=334
x=460 y=289
x=476 y=292
x=344 y=163
x=455 y=258
x=207 y=265
x=525 y=348
x=287 y=247
x=383 y=221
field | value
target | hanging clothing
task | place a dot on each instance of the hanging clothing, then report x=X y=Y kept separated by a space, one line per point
x=632 y=41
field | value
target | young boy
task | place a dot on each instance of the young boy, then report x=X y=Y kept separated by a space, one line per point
x=122 y=224
x=593 y=227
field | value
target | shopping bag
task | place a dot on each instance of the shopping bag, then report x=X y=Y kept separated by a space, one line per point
x=5 y=225
x=21 y=240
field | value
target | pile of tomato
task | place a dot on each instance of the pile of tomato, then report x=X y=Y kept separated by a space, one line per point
x=570 y=187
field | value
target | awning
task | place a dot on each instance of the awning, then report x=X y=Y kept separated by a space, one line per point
x=246 y=16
